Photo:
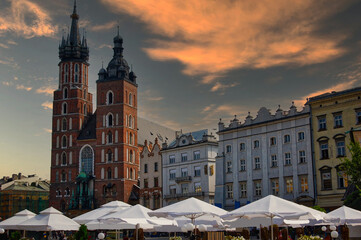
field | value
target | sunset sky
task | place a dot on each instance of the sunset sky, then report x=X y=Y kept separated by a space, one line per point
x=196 y=61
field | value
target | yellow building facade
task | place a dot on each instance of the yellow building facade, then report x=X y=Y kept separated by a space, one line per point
x=332 y=115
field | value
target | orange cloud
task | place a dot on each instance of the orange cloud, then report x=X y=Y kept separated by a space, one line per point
x=47 y=105
x=22 y=87
x=16 y=19
x=47 y=90
x=103 y=27
x=214 y=37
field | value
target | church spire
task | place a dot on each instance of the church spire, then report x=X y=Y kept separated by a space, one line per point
x=74 y=31
x=74 y=47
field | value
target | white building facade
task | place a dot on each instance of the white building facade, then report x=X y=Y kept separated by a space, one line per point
x=188 y=165
x=270 y=154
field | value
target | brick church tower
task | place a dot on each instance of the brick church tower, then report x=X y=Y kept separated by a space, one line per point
x=94 y=157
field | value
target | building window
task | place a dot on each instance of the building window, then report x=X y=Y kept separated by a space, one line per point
x=109 y=98
x=196 y=155
x=341 y=179
x=228 y=149
x=257 y=163
x=110 y=137
x=286 y=138
x=87 y=160
x=171 y=159
x=301 y=136
x=274 y=162
x=242 y=165
x=197 y=187
x=109 y=155
x=131 y=138
x=229 y=166
x=326 y=180
x=172 y=190
x=130 y=99
x=76 y=72
x=66 y=73
x=184 y=157
x=288 y=159
x=243 y=189
x=184 y=187
x=155 y=167
x=289 y=185
x=337 y=120
x=63 y=176
x=340 y=143
x=324 y=149
x=273 y=141
x=65 y=93
x=257 y=189
x=197 y=171
x=131 y=156
x=172 y=174
x=130 y=121
x=275 y=187
x=184 y=172
x=358 y=116
x=145 y=168
x=63 y=142
x=256 y=144
x=156 y=182
x=145 y=183
x=63 y=159
x=322 y=123
x=58 y=193
x=302 y=156
x=229 y=191
x=242 y=146
x=67 y=192
x=110 y=120
x=65 y=108
x=304 y=184
x=109 y=173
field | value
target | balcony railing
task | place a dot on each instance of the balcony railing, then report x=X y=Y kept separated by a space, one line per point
x=183 y=179
x=185 y=195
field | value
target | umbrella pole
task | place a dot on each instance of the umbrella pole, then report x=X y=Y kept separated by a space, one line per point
x=272 y=227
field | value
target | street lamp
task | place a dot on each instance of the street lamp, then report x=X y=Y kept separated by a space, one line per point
x=334 y=234
x=333 y=228
x=2 y=231
x=101 y=236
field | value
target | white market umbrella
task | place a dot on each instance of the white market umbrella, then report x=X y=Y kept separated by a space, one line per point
x=100 y=212
x=346 y=215
x=49 y=219
x=12 y=223
x=191 y=208
x=135 y=215
x=271 y=207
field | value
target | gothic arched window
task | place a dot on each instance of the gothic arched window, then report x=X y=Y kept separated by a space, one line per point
x=130 y=99
x=85 y=110
x=110 y=120
x=66 y=73
x=109 y=173
x=65 y=94
x=65 y=108
x=131 y=156
x=109 y=155
x=63 y=176
x=110 y=137
x=131 y=138
x=86 y=160
x=130 y=121
x=76 y=77
x=110 y=97
x=63 y=159
x=64 y=124
x=63 y=142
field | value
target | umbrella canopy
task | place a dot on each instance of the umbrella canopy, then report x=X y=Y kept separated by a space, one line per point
x=135 y=215
x=11 y=223
x=191 y=208
x=346 y=215
x=272 y=206
x=100 y=212
x=49 y=220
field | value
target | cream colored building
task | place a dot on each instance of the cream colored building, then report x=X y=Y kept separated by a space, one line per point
x=332 y=115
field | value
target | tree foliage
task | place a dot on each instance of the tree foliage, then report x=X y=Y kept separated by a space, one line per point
x=82 y=234
x=318 y=208
x=352 y=167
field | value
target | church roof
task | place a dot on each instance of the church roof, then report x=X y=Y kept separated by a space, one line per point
x=88 y=132
x=148 y=130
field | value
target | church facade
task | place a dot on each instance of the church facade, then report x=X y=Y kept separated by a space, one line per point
x=94 y=156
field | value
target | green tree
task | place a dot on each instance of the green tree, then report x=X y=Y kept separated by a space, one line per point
x=15 y=235
x=316 y=207
x=82 y=234
x=352 y=167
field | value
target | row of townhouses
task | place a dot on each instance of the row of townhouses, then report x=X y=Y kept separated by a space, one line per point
x=294 y=154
